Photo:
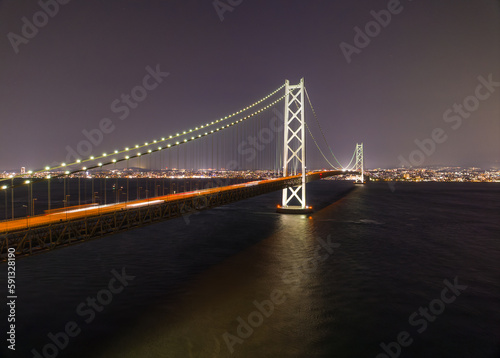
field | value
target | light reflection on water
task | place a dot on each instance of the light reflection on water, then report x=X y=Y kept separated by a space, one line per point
x=194 y=280
x=195 y=326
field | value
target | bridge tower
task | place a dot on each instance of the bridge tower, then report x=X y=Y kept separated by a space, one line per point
x=294 y=148
x=359 y=164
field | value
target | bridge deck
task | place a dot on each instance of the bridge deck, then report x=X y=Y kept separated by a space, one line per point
x=45 y=232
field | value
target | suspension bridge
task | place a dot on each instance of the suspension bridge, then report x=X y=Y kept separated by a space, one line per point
x=258 y=137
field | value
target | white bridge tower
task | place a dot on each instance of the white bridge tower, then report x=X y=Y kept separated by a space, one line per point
x=359 y=164
x=294 y=148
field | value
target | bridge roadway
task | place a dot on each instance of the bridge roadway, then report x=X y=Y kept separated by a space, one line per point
x=47 y=231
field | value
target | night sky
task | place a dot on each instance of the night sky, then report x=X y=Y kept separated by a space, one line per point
x=394 y=90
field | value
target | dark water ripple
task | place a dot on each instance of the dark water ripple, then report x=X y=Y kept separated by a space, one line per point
x=194 y=279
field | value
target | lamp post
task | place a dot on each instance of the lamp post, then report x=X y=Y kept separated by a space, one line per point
x=31 y=192
x=99 y=204
x=4 y=188
x=29 y=197
x=66 y=201
x=27 y=222
x=33 y=207
x=48 y=193
x=12 y=195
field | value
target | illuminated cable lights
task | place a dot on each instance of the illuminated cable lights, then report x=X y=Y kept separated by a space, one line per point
x=184 y=132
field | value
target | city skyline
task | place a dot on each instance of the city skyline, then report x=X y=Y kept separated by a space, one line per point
x=365 y=89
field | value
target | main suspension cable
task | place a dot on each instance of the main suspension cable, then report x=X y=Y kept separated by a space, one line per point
x=321 y=129
x=164 y=139
x=317 y=146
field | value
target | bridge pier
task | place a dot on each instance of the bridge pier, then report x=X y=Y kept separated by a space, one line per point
x=292 y=209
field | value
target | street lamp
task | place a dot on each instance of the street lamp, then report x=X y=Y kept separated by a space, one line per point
x=92 y=190
x=79 y=177
x=29 y=192
x=12 y=194
x=48 y=192
x=127 y=188
x=66 y=201
x=27 y=222
x=4 y=188
x=33 y=208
